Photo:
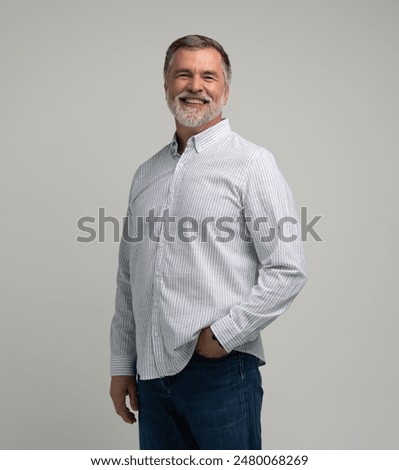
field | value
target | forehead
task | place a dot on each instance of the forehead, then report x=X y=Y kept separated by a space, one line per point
x=197 y=59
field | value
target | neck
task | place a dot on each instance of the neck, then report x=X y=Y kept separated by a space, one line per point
x=183 y=133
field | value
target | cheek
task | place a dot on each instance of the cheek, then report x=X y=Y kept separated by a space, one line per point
x=221 y=99
x=220 y=95
x=171 y=94
x=178 y=86
x=172 y=90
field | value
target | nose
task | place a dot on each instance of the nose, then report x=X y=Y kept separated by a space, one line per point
x=195 y=84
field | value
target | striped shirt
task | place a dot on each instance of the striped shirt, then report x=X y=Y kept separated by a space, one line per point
x=211 y=238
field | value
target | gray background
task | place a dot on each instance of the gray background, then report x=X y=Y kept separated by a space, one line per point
x=82 y=105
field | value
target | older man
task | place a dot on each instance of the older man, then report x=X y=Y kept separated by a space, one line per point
x=211 y=254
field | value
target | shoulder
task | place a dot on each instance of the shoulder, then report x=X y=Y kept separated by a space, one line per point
x=255 y=155
x=153 y=161
x=149 y=164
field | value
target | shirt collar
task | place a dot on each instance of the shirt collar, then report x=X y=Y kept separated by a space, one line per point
x=205 y=138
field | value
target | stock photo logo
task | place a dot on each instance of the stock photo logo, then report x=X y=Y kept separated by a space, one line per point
x=188 y=229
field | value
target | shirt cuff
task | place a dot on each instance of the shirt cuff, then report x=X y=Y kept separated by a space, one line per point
x=121 y=365
x=227 y=333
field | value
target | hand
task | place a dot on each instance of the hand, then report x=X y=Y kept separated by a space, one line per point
x=121 y=386
x=208 y=345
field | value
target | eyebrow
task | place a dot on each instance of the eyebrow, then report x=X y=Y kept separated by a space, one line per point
x=182 y=70
x=210 y=72
x=205 y=72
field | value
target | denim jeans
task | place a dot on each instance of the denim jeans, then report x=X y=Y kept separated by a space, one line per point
x=211 y=404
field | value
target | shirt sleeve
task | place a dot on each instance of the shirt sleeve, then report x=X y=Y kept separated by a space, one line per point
x=123 y=330
x=273 y=227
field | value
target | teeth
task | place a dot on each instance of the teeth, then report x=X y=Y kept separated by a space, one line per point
x=188 y=100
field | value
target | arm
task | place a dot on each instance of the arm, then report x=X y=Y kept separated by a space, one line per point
x=123 y=338
x=123 y=330
x=281 y=262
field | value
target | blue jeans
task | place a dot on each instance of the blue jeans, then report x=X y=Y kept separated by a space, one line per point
x=211 y=404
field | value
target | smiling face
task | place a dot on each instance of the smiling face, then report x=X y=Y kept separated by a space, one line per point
x=195 y=87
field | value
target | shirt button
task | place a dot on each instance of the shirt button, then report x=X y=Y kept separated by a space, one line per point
x=156 y=335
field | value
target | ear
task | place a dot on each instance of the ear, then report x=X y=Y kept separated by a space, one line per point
x=226 y=94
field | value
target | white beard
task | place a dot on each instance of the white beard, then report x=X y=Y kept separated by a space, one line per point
x=191 y=116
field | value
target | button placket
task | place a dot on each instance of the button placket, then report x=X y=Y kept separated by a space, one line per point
x=158 y=270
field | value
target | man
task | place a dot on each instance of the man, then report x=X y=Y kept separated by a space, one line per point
x=192 y=300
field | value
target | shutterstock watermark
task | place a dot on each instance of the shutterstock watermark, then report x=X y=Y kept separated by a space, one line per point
x=188 y=229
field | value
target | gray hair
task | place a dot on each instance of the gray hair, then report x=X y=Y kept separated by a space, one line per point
x=195 y=41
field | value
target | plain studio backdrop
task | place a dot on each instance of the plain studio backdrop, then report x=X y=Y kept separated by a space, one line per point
x=82 y=105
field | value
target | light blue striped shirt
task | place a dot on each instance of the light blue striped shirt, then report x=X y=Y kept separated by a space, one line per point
x=226 y=252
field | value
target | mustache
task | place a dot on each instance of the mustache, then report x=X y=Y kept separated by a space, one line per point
x=193 y=96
